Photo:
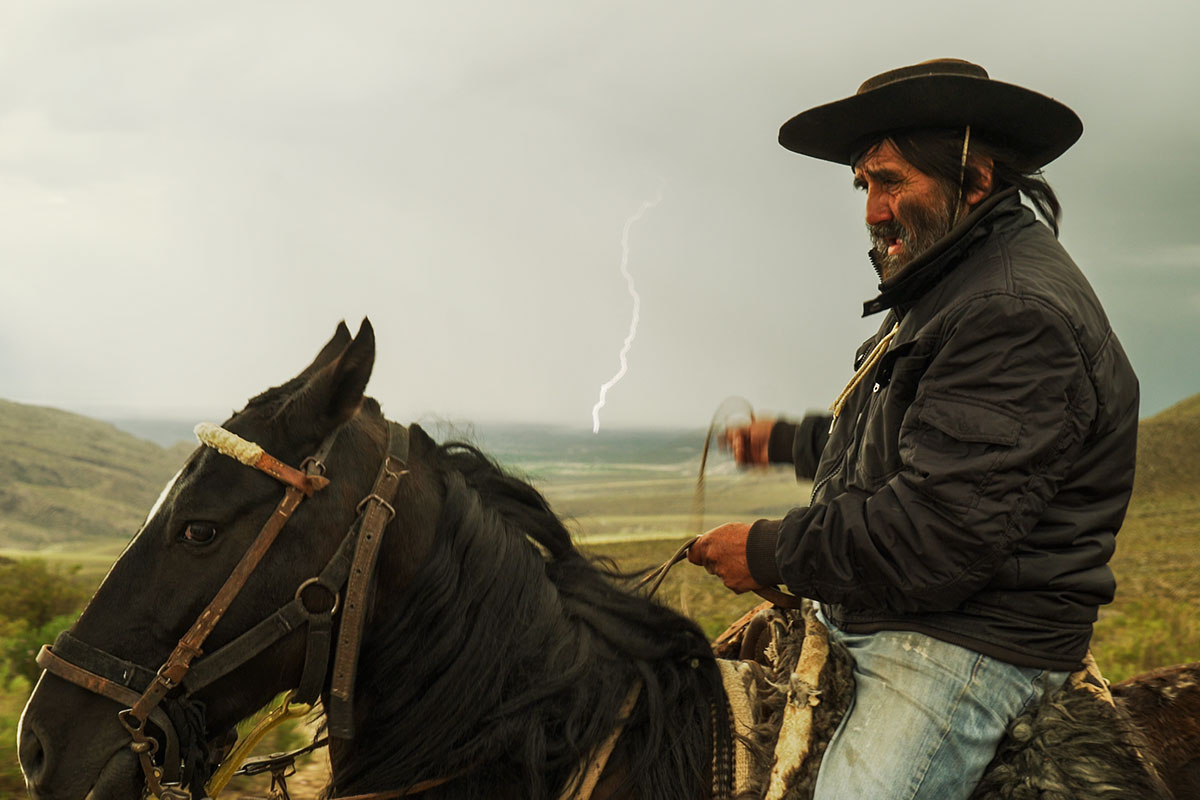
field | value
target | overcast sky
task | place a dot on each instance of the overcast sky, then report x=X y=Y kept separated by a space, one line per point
x=194 y=195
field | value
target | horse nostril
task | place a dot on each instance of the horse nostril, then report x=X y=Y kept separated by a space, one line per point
x=30 y=753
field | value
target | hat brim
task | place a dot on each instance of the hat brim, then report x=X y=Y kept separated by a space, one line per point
x=1037 y=127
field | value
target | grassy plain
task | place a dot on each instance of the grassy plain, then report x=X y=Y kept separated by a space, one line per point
x=640 y=522
x=1151 y=623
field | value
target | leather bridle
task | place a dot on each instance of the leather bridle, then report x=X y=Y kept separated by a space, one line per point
x=316 y=601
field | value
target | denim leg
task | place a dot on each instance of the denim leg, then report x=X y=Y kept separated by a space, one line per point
x=926 y=718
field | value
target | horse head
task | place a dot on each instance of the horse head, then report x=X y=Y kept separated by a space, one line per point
x=72 y=740
x=472 y=649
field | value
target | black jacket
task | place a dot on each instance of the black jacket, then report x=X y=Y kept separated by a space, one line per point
x=974 y=483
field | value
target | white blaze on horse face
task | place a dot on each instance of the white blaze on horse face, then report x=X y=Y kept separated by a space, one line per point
x=637 y=307
x=154 y=509
x=162 y=498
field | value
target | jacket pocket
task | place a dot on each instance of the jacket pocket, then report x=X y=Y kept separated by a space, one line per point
x=888 y=398
x=956 y=445
x=970 y=421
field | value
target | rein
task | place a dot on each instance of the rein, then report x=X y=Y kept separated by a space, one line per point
x=144 y=692
x=659 y=574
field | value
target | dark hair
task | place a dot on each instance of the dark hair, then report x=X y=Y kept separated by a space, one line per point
x=938 y=154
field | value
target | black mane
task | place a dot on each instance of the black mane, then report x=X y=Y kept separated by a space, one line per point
x=507 y=659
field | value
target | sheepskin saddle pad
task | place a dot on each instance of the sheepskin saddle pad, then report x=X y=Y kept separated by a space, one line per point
x=789 y=687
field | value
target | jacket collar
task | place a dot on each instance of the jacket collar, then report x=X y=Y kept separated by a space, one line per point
x=945 y=254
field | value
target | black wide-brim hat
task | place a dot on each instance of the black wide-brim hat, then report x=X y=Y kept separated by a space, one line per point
x=943 y=93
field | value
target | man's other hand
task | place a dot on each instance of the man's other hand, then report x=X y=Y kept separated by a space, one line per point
x=749 y=443
x=722 y=551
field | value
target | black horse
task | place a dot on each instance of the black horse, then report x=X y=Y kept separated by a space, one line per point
x=497 y=656
x=495 y=660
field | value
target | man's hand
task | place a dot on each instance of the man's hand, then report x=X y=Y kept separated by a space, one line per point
x=722 y=551
x=749 y=443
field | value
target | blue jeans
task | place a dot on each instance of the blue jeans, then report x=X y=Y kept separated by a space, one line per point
x=925 y=720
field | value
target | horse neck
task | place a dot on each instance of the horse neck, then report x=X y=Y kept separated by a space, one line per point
x=501 y=668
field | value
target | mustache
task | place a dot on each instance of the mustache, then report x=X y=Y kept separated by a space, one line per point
x=882 y=232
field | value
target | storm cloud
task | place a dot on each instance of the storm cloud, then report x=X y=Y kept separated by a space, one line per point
x=194 y=195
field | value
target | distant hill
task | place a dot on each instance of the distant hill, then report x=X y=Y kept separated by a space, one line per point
x=67 y=478
x=1169 y=452
x=162 y=431
x=540 y=450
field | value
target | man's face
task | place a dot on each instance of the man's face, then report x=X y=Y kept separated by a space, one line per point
x=907 y=211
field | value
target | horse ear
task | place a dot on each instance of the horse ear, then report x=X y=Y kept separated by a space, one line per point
x=332 y=349
x=334 y=391
x=418 y=437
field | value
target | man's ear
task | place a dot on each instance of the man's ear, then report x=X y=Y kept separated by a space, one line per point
x=982 y=185
x=333 y=392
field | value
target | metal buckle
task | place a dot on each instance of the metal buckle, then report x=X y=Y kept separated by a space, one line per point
x=163 y=678
x=372 y=496
x=128 y=720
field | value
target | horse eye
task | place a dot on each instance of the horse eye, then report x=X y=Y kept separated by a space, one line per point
x=200 y=532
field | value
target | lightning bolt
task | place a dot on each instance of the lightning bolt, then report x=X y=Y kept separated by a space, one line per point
x=637 y=307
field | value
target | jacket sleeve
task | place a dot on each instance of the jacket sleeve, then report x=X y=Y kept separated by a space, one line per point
x=800 y=443
x=999 y=415
x=811 y=435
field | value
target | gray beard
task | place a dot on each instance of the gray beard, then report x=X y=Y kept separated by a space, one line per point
x=925 y=227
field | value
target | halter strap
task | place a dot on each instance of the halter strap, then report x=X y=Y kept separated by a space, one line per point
x=52 y=662
x=300 y=485
x=376 y=512
x=111 y=677
x=176 y=667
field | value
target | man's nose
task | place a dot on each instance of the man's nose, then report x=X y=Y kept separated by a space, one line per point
x=878 y=209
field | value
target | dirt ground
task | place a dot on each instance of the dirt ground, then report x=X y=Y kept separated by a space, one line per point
x=312 y=773
x=310 y=778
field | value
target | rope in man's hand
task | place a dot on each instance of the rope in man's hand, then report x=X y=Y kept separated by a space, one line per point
x=722 y=550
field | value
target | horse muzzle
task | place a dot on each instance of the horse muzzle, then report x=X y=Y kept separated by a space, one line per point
x=106 y=770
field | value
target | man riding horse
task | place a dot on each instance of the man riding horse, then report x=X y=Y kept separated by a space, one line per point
x=970 y=480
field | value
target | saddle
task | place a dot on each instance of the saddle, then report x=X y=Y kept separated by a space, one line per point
x=789 y=688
